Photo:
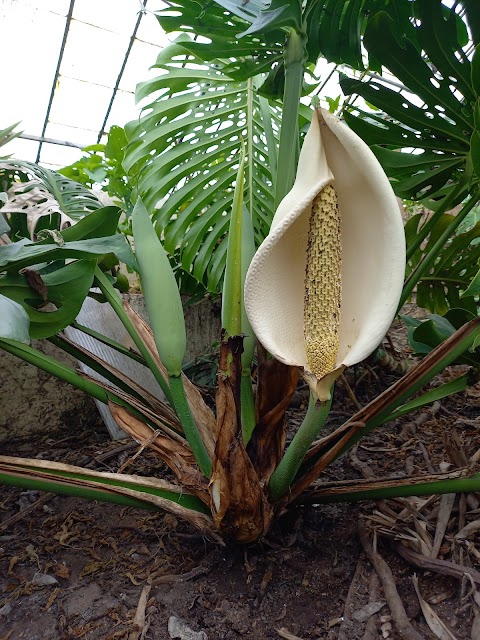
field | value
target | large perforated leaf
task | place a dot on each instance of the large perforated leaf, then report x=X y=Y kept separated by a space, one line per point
x=430 y=60
x=184 y=151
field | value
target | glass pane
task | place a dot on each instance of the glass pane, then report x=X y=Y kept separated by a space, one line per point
x=29 y=67
x=123 y=110
x=79 y=104
x=93 y=54
x=142 y=57
x=56 y=156
x=21 y=149
x=113 y=15
x=151 y=31
x=82 y=137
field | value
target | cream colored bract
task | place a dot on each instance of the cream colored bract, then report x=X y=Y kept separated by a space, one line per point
x=372 y=253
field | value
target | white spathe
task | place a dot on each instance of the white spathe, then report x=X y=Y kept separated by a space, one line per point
x=372 y=247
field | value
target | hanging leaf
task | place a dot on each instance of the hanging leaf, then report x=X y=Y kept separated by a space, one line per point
x=8 y=134
x=51 y=299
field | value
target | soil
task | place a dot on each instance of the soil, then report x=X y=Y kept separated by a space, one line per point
x=74 y=569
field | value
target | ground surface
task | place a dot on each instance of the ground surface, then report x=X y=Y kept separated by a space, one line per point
x=310 y=579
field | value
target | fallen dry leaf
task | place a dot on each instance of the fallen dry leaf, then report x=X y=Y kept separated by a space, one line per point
x=437 y=626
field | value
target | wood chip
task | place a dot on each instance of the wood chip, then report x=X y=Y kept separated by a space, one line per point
x=363 y=614
x=284 y=633
x=139 y=619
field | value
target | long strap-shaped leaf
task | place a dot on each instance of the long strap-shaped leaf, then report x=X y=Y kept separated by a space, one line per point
x=384 y=488
x=133 y=491
x=377 y=411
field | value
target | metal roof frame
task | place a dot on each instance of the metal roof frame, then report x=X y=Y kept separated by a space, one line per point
x=42 y=139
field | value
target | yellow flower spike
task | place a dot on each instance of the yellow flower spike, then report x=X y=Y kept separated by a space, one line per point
x=321 y=311
x=323 y=288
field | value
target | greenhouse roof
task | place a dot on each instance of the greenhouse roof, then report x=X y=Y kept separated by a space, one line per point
x=71 y=71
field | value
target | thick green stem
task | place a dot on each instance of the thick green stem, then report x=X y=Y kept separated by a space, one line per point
x=115 y=302
x=294 y=59
x=250 y=143
x=433 y=253
x=109 y=489
x=69 y=490
x=180 y=404
x=248 y=405
x=286 y=471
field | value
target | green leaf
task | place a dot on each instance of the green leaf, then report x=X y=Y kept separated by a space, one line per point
x=98 y=224
x=184 y=152
x=8 y=134
x=66 y=288
x=344 y=18
x=475 y=152
x=426 y=56
x=14 y=321
x=219 y=30
x=162 y=297
x=116 y=143
x=443 y=34
x=73 y=198
x=245 y=10
x=455 y=386
x=24 y=253
x=445 y=285
x=458 y=317
x=476 y=71
x=411 y=324
x=473 y=288
x=280 y=14
x=472 y=11
x=4 y=226
x=430 y=333
x=434 y=331
x=406 y=63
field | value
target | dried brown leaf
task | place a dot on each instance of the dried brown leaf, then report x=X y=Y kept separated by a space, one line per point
x=202 y=414
x=276 y=384
x=176 y=455
x=39 y=469
x=238 y=504
x=437 y=626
